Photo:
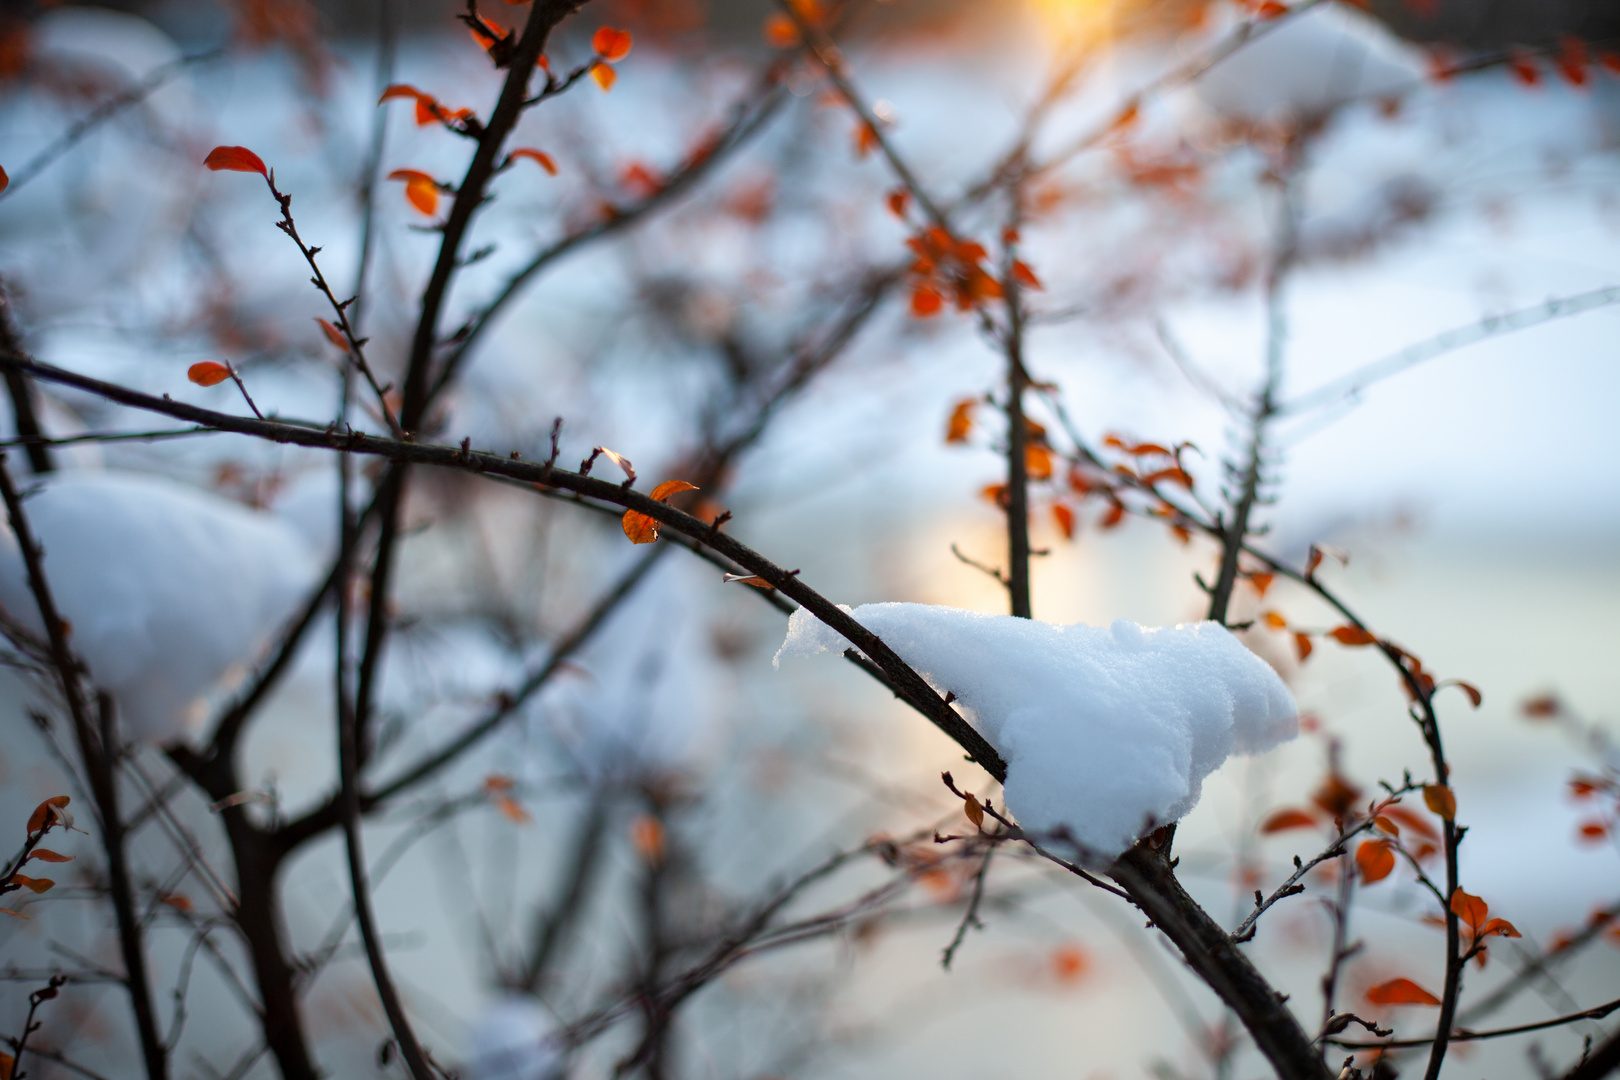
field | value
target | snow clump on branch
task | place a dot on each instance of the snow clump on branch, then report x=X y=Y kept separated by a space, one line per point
x=1107 y=731
x=169 y=589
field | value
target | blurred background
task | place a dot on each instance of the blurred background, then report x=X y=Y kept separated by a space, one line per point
x=1475 y=494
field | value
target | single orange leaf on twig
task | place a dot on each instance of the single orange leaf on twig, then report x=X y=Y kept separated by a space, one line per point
x=42 y=814
x=539 y=157
x=1401 y=992
x=961 y=422
x=1302 y=646
x=748 y=579
x=1274 y=620
x=1412 y=820
x=512 y=810
x=208 y=373
x=1065 y=520
x=926 y=301
x=235 y=159
x=605 y=76
x=647 y=837
x=1470 y=909
x=1499 y=926
x=1352 y=635
x=333 y=334
x=46 y=855
x=420 y=189
x=37 y=885
x=1441 y=799
x=1374 y=860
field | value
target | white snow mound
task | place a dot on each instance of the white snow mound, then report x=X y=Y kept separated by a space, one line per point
x=1107 y=731
x=169 y=589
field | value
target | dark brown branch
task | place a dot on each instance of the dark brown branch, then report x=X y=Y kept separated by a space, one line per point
x=29 y=432
x=97 y=749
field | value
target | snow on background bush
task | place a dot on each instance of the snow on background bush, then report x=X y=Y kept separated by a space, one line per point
x=169 y=589
x=1107 y=731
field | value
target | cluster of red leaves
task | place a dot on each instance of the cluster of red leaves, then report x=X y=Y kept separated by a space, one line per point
x=1333 y=807
x=611 y=46
x=1474 y=915
x=51 y=813
x=1589 y=788
x=948 y=267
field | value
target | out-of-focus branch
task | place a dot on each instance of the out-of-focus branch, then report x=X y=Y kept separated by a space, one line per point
x=97 y=748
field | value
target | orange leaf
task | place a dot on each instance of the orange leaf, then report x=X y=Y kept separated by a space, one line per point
x=1524 y=69
x=647 y=837
x=640 y=528
x=495 y=784
x=420 y=189
x=333 y=334
x=7 y=1062
x=899 y=199
x=1261 y=582
x=1499 y=926
x=235 y=159
x=748 y=579
x=1271 y=9
x=1542 y=707
x=1384 y=824
x=38 y=885
x=42 y=813
x=208 y=373
x=1401 y=992
x=866 y=139
x=1065 y=520
x=1470 y=909
x=512 y=810
x=1274 y=620
x=1302 y=646
x=1115 y=515
x=1069 y=963
x=961 y=422
x=780 y=33
x=1593 y=830
x=664 y=491
x=974 y=811
x=5 y=181
x=1025 y=276
x=45 y=855
x=1038 y=462
x=1573 y=60
x=605 y=76
x=1374 y=860
x=1352 y=635
x=539 y=157
x=610 y=44
x=1285 y=819
x=1474 y=696
x=401 y=90
x=179 y=901
x=1412 y=820
x=926 y=301
x=1441 y=799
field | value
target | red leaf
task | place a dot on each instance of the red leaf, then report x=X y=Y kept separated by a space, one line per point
x=647 y=837
x=333 y=334
x=1470 y=909
x=235 y=159
x=1065 y=520
x=961 y=421
x=42 y=813
x=5 y=181
x=208 y=373
x=394 y=91
x=1593 y=830
x=420 y=189
x=898 y=200
x=663 y=491
x=1401 y=992
x=1412 y=820
x=926 y=301
x=1524 y=69
x=610 y=44
x=1069 y=963
x=1025 y=276
x=1441 y=799
x=1302 y=646
x=45 y=855
x=866 y=139
x=539 y=157
x=1375 y=860
x=1285 y=819
x=780 y=33
x=1352 y=635
x=1573 y=60
x=1115 y=515
x=1474 y=696
x=1261 y=582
